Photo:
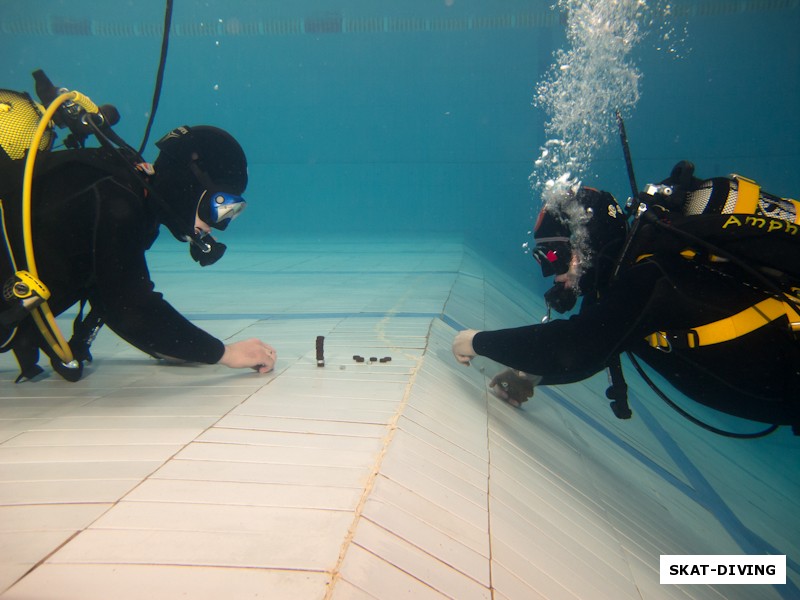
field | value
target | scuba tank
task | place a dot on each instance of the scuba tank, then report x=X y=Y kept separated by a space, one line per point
x=26 y=130
x=20 y=134
x=724 y=219
x=19 y=118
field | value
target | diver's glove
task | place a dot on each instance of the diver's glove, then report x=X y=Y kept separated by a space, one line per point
x=514 y=387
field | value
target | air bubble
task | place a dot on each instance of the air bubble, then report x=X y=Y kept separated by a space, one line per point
x=590 y=79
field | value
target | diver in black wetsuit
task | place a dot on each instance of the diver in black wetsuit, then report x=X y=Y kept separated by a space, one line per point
x=93 y=218
x=745 y=362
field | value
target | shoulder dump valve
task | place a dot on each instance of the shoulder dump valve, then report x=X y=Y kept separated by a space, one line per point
x=320 y=351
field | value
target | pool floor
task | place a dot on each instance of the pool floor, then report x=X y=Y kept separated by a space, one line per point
x=385 y=479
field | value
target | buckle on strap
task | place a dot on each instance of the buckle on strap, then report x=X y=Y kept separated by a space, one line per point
x=660 y=341
x=667 y=341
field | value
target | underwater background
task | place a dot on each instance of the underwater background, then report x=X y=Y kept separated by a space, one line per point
x=425 y=124
x=415 y=118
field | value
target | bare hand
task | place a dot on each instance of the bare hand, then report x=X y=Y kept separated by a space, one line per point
x=252 y=353
x=462 y=346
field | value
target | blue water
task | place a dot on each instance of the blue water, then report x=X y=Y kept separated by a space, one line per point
x=424 y=130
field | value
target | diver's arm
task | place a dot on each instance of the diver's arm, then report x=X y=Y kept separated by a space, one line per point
x=569 y=350
x=125 y=294
x=553 y=351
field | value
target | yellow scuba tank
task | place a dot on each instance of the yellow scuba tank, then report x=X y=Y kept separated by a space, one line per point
x=19 y=117
x=719 y=220
x=26 y=129
x=734 y=194
x=743 y=196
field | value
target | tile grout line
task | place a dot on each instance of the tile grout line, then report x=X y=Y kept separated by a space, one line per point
x=488 y=467
x=44 y=559
x=370 y=484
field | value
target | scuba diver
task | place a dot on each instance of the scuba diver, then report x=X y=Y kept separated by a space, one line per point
x=93 y=213
x=703 y=287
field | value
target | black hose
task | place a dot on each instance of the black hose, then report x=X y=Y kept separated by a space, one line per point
x=626 y=151
x=159 y=76
x=696 y=421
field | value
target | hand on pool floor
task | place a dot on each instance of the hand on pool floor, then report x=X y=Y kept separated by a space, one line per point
x=253 y=354
x=512 y=387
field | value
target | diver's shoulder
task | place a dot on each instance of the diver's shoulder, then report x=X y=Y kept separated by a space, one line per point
x=99 y=162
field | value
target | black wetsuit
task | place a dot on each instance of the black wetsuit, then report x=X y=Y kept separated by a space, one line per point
x=92 y=224
x=755 y=376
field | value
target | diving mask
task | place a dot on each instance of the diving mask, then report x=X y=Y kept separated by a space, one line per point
x=218 y=209
x=553 y=254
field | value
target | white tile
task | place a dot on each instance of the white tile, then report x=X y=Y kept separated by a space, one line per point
x=171 y=516
x=295 y=408
x=435 y=442
x=460 y=480
x=49 y=517
x=441 y=520
x=556 y=513
x=280 y=439
x=565 y=560
x=51 y=471
x=319 y=457
x=246 y=494
x=507 y=586
x=107 y=437
x=254 y=472
x=410 y=559
x=525 y=573
x=63 y=492
x=20 y=551
x=150 y=411
x=253 y=536
x=110 y=452
x=84 y=422
x=382 y=580
x=159 y=582
x=439 y=540
x=243 y=421
x=432 y=490
x=344 y=590
x=467 y=432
